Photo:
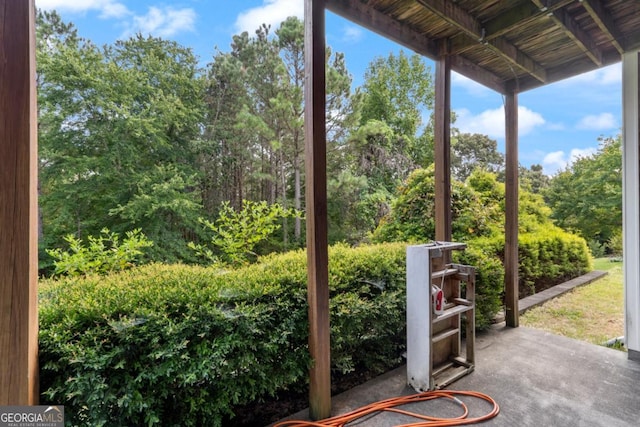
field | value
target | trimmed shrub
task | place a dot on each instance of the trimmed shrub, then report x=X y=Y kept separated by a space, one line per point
x=489 y=282
x=549 y=257
x=412 y=216
x=184 y=345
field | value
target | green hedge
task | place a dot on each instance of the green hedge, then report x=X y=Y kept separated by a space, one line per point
x=184 y=345
x=489 y=282
x=546 y=257
x=550 y=257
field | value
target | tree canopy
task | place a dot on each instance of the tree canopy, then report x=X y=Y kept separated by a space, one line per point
x=139 y=135
x=586 y=197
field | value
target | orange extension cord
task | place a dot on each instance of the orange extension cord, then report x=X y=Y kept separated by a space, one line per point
x=391 y=404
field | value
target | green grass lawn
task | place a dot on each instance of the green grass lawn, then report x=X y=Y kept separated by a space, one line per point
x=593 y=313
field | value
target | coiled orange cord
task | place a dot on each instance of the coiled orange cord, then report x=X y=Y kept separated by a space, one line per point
x=392 y=404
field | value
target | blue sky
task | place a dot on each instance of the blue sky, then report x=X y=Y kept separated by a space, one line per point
x=557 y=122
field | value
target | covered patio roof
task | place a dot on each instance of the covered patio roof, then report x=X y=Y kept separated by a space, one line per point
x=507 y=45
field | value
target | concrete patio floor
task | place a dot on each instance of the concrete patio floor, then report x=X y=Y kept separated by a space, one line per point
x=537 y=378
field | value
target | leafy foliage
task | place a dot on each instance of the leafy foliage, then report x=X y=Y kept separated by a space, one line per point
x=396 y=88
x=474 y=151
x=550 y=256
x=253 y=144
x=236 y=233
x=184 y=345
x=587 y=197
x=103 y=254
x=478 y=220
x=412 y=216
x=390 y=140
x=116 y=133
x=533 y=179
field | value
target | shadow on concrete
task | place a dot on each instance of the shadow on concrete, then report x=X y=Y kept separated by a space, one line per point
x=537 y=378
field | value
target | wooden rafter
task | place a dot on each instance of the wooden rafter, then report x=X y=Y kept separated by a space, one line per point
x=520 y=16
x=572 y=29
x=459 y=18
x=604 y=21
x=473 y=71
x=371 y=19
x=558 y=73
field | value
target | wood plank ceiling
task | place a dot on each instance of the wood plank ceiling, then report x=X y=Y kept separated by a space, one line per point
x=507 y=45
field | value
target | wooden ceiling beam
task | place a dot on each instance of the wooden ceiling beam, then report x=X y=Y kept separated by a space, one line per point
x=561 y=72
x=604 y=21
x=572 y=29
x=469 y=69
x=515 y=18
x=521 y=15
x=462 y=20
x=368 y=17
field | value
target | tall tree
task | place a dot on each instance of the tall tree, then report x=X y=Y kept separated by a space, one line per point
x=474 y=151
x=117 y=131
x=534 y=179
x=222 y=155
x=390 y=141
x=256 y=111
x=586 y=197
x=397 y=91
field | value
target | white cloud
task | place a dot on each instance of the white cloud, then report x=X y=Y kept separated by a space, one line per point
x=553 y=162
x=556 y=126
x=352 y=34
x=491 y=122
x=603 y=76
x=471 y=86
x=603 y=121
x=558 y=160
x=165 y=22
x=272 y=12
x=159 y=21
x=107 y=8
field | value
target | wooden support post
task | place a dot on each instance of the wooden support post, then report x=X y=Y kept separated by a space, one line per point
x=511 y=212
x=631 y=200
x=442 y=136
x=18 y=205
x=316 y=210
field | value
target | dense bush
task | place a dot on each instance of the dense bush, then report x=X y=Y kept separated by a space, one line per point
x=547 y=255
x=102 y=254
x=489 y=282
x=184 y=345
x=412 y=216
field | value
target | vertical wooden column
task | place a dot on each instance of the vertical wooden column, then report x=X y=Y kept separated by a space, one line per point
x=511 y=211
x=316 y=209
x=631 y=200
x=442 y=145
x=18 y=205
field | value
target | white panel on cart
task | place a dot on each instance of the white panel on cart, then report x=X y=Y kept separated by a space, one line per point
x=418 y=317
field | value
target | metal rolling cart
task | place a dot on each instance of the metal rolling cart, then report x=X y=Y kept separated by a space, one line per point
x=436 y=305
